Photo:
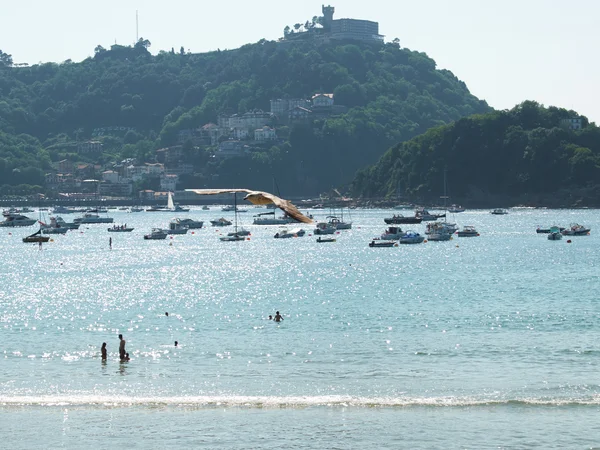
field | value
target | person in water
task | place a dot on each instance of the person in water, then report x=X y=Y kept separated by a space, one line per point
x=103 y=351
x=176 y=343
x=278 y=317
x=122 y=347
x=126 y=358
x=270 y=317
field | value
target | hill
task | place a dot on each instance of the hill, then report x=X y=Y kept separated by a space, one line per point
x=530 y=154
x=133 y=103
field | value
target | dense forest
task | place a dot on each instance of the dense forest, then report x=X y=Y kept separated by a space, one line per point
x=525 y=153
x=391 y=93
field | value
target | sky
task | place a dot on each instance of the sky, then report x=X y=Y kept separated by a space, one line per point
x=506 y=51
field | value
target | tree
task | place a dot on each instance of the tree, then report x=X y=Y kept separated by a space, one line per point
x=5 y=59
x=297 y=26
x=99 y=49
x=396 y=42
x=143 y=43
x=182 y=51
x=286 y=30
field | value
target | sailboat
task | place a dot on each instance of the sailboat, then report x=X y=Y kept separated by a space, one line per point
x=236 y=235
x=441 y=231
x=171 y=206
x=37 y=236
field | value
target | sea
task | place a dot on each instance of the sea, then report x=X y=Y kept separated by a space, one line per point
x=486 y=342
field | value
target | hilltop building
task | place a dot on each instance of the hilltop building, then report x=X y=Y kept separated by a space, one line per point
x=342 y=29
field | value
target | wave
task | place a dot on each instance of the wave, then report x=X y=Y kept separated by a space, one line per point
x=286 y=402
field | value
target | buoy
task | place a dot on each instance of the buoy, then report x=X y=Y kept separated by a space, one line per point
x=425 y=241
x=171 y=237
x=456 y=245
x=569 y=241
x=170 y=244
x=51 y=240
x=193 y=232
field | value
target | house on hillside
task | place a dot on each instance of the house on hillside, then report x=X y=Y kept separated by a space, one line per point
x=89 y=148
x=575 y=123
x=299 y=115
x=265 y=134
x=322 y=100
x=168 y=182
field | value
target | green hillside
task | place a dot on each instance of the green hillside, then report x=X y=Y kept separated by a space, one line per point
x=390 y=95
x=529 y=153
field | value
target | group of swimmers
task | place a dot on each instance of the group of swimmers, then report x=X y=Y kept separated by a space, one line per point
x=277 y=317
x=124 y=356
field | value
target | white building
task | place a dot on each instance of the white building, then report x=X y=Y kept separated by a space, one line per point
x=322 y=100
x=154 y=169
x=239 y=133
x=572 y=124
x=265 y=134
x=110 y=176
x=89 y=147
x=168 y=182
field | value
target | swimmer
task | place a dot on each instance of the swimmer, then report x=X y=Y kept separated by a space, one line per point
x=103 y=351
x=176 y=343
x=167 y=314
x=122 y=347
x=270 y=317
x=278 y=317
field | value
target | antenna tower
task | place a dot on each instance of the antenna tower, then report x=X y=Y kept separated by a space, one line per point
x=137 y=37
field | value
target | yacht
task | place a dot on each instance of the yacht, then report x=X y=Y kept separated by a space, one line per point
x=156 y=234
x=392 y=234
x=411 y=237
x=222 y=222
x=270 y=219
x=499 y=211
x=324 y=228
x=70 y=225
x=53 y=227
x=191 y=223
x=175 y=227
x=16 y=220
x=285 y=233
x=339 y=224
x=467 y=231
x=456 y=209
x=93 y=218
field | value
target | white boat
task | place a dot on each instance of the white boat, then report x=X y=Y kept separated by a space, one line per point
x=93 y=218
x=456 y=209
x=17 y=220
x=53 y=227
x=324 y=228
x=439 y=236
x=411 y=237
x=175 y=227
x=392 y=234
x=134 y=209
x=236 y=235
x=62 y=210
x=499 y=211
x=191 y=223
x=171 y=206
x=222 y=222
x=467 y=231
x=205 y=208
x=440 y=227
x=338 y=223
x=156 y=234
x=269 y=218
x=426 y=216
x=285 y=233
x=70 y=225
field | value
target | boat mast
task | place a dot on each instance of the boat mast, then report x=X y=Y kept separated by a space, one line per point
x=445 y=197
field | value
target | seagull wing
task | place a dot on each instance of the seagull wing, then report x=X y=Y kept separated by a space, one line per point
x=288 y=207
x=218 y=191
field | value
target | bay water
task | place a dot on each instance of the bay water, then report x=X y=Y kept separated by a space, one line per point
x=484 y=342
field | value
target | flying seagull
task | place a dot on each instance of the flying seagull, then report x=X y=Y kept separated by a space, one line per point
x=260 y=198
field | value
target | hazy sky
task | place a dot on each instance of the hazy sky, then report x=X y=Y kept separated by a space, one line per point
x=506 y=51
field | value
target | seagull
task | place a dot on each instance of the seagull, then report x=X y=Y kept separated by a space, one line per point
x=260 y=198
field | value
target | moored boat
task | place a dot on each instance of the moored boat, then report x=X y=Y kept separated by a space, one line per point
x=16 y=220
x=399 y=219
x=499 y=211
x=120 y=229
x=36 y=237
x=555 y=234
x=376 y=243
x=411 y=237
x=285 y=233
x=576 y=230
x=175 y=227
x=156 y=234
x=322 y=239
x=392 y=234
x=467 y=231
x=324 y=228
x=222 y=222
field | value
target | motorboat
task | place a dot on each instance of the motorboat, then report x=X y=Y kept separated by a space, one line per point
x=231 y=208
x=222 y=222
x=285 y=233
x=175 y=227
x=411 y=237
x=205 y=208
x=467 y=231
x=541 y=230
x=426 y=216
x=239 y=232
x=322 y=239
x=440 y=227
x=62 y=210
x=555 y=234
x=36 y=237
x=120 y=229
x=156 y=234
x=17 y=220
x=376 y=243
x=191 y=223
x=499 y=211
x=233 y=238
x=324 y=228
x=269 y=218
x=456 y=209
x=53 y=227
x=399 y=219
x=439 y=236
x=392 y=234
x=576 y=230
x=134 y=209
x=70 y=225
x=93 y=218
x=339 y=224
